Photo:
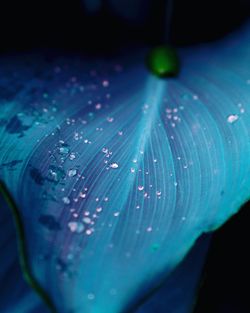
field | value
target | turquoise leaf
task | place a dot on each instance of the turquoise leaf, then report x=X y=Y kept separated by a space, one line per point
x=117 y=173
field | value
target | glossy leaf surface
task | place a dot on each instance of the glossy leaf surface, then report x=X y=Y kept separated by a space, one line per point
x=117 y=173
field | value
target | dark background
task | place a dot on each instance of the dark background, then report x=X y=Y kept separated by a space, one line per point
x=65 y=26
x=225 y=282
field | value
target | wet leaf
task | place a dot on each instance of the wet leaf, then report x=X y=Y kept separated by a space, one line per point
x=121 y=172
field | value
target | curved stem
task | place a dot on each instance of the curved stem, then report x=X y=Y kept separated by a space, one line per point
x=22 y=251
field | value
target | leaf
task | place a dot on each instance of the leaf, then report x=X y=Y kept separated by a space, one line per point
x=117 y=173
x=177 y=293
x=16 y=296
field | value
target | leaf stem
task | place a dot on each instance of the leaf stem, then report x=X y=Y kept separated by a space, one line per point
x=22 y=251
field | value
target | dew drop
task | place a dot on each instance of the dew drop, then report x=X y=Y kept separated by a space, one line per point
x=105 y=83
x=98 y=106
x=72 y=172
x=72 y=156
x=110 y=119
x=89 y=232
x=114 y=165
x=232 y=118
x=140 y=188
x=87 y=220
x=64 y=150
x=76 y=227
x=66 y=200
x=105 y=150
x=91 y=296
x=82 y=195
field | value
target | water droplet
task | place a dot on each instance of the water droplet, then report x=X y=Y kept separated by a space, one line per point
x=72 y=172
x=149 y=229
x=76 y=136
x=82 y=195
x=158 y=193
x=76 y=227
x=140 y=188
x=114 y=165
x=232 y=118
x=110 y=119
x=66 y=200
x=116 y=214
x=98 y=106
x=64 y=150
x=91 y=296
x=105 y=83
x=89 y=232
x=105 y=150
x=132 y=170
x=87 y=220
x=72 y=156
x=155 y=247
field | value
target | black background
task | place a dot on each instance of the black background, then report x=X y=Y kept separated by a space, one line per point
x=65 y=26
x=226 y=277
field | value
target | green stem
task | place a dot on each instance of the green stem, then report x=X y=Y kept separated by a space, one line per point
x=22 y=251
